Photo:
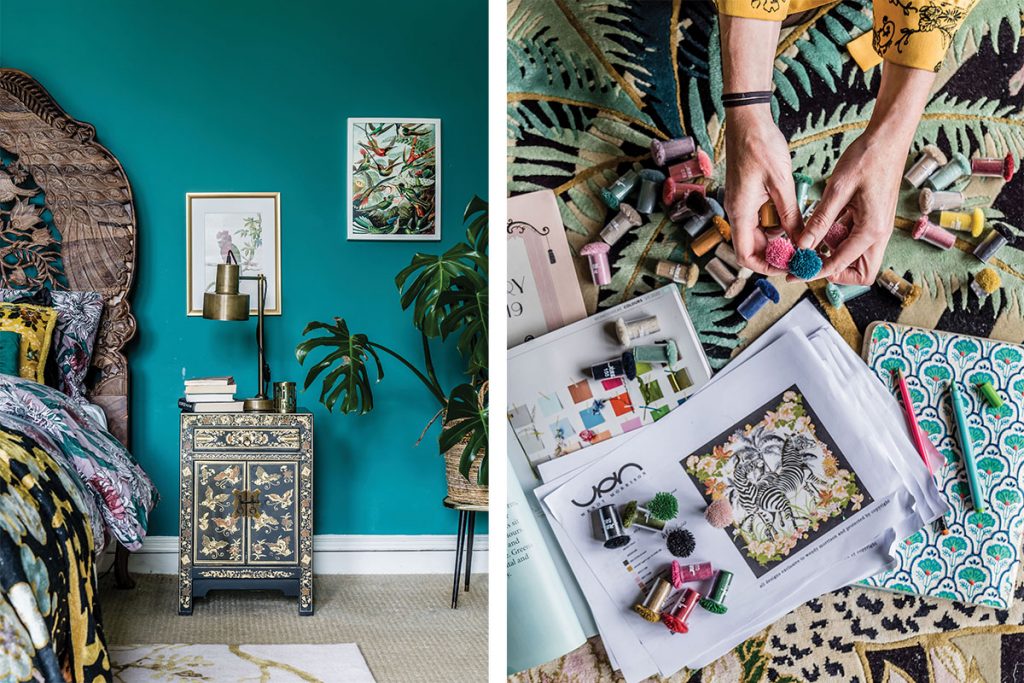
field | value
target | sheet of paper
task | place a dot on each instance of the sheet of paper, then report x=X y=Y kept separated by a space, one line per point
x=634 y=662
x=856 y=496
x=548 y=546
x=624 y=649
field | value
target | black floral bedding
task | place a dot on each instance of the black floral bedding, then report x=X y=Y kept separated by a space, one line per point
x=67 y=487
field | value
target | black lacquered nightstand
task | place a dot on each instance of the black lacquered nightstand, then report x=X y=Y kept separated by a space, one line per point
x=246 y=505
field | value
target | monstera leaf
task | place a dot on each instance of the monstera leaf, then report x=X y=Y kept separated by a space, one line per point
x=431 y=275
x=466 y=303
x=347 y=360
x=466 y=420
x=477 y=216
x=448 y=297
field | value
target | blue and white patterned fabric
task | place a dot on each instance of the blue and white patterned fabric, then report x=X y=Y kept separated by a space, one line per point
x=977 y=561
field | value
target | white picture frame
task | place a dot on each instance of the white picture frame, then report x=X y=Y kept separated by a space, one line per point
x=248 y=224
x=378 y=153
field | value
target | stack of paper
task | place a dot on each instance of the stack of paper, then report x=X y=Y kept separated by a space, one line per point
x=559 y=412
x=812 y=453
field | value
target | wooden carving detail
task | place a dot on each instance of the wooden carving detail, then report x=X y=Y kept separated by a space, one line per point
x=67 y=221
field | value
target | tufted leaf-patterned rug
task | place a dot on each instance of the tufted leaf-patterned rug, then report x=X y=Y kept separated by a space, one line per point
x=591 y=82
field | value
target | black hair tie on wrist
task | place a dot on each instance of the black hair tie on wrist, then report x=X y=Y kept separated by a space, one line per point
x=741 y=99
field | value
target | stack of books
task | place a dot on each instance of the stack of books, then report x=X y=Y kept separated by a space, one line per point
x=210 y=395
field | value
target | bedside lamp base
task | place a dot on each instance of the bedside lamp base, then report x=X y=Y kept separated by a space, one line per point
x=258 y=404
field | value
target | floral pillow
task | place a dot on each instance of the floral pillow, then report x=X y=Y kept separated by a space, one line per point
x=35 y=325
x=74 y=338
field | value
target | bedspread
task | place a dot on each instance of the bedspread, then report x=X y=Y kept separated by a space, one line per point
x=66 y=487
x=119 y=493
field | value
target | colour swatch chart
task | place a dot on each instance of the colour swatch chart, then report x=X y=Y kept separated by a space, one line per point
x=556 y=408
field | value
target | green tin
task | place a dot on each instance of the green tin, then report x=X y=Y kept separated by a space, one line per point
x=284 y=397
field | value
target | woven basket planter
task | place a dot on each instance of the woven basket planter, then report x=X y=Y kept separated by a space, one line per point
x=460 y=489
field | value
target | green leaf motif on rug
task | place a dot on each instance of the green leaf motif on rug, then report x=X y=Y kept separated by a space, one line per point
x=752 y=659
x=987 y=18
x=569 y=48
x=709 y=309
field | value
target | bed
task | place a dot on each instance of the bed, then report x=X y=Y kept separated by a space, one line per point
x=69 y=487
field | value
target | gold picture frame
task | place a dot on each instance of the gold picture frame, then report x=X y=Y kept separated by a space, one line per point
x=214 y=222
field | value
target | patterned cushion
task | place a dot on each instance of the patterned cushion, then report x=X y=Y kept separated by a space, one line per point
x=35 y=325
x=78 y=320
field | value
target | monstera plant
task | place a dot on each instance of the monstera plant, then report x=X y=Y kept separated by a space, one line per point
x=447 y=294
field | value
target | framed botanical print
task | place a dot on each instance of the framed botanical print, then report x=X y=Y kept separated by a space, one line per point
x=246 y=225
x=394 y=179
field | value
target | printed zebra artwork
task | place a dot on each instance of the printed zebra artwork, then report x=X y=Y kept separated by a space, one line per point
x=786 y=479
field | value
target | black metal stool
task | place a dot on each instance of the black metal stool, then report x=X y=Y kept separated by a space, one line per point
x=464 y=539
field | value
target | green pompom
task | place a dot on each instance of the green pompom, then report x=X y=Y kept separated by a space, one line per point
x=713 y=606
x=663 y=506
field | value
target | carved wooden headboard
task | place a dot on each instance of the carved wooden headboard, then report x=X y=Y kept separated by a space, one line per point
x=84 y=239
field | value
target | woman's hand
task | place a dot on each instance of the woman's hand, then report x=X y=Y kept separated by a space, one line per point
x=758 y=169
x=864 y=187
x=862 y=193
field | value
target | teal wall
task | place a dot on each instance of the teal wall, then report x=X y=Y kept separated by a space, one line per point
x=252 y=95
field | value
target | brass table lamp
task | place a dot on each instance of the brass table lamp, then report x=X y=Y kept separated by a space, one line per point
x=226 y=303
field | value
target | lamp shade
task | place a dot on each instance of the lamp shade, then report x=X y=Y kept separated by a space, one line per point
x=225 y=303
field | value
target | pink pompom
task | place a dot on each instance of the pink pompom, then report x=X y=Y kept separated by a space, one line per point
x=719 y=514
x=677 y=577
x=836 y=234
x=779 y=252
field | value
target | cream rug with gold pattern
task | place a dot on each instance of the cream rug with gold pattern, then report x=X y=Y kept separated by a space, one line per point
x=239 y=663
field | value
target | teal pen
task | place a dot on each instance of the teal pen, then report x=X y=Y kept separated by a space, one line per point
x=965 y=446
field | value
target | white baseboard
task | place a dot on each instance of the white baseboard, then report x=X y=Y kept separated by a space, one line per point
x=341 y=554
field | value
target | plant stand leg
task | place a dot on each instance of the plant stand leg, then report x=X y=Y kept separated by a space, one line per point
x=469 y=548
x=458 y=558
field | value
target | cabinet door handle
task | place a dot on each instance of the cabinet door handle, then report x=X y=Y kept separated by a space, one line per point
x=247 y=503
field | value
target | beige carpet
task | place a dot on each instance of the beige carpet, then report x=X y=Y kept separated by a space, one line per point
x=402 y=624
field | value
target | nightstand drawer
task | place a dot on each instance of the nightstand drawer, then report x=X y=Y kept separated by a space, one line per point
x=247 y=432
x=287 y=439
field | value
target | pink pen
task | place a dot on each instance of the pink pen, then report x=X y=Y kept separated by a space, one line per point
x=915 y=433
x=908 y=411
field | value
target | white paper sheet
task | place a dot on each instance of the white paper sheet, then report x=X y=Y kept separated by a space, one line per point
x=625 y=651
x=658 y=450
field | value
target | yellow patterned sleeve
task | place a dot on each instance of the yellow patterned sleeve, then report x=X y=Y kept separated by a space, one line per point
x=917 y=33
x=771 y=10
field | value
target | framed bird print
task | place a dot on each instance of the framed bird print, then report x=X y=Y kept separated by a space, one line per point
x=247 y=226
x=394 y=179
